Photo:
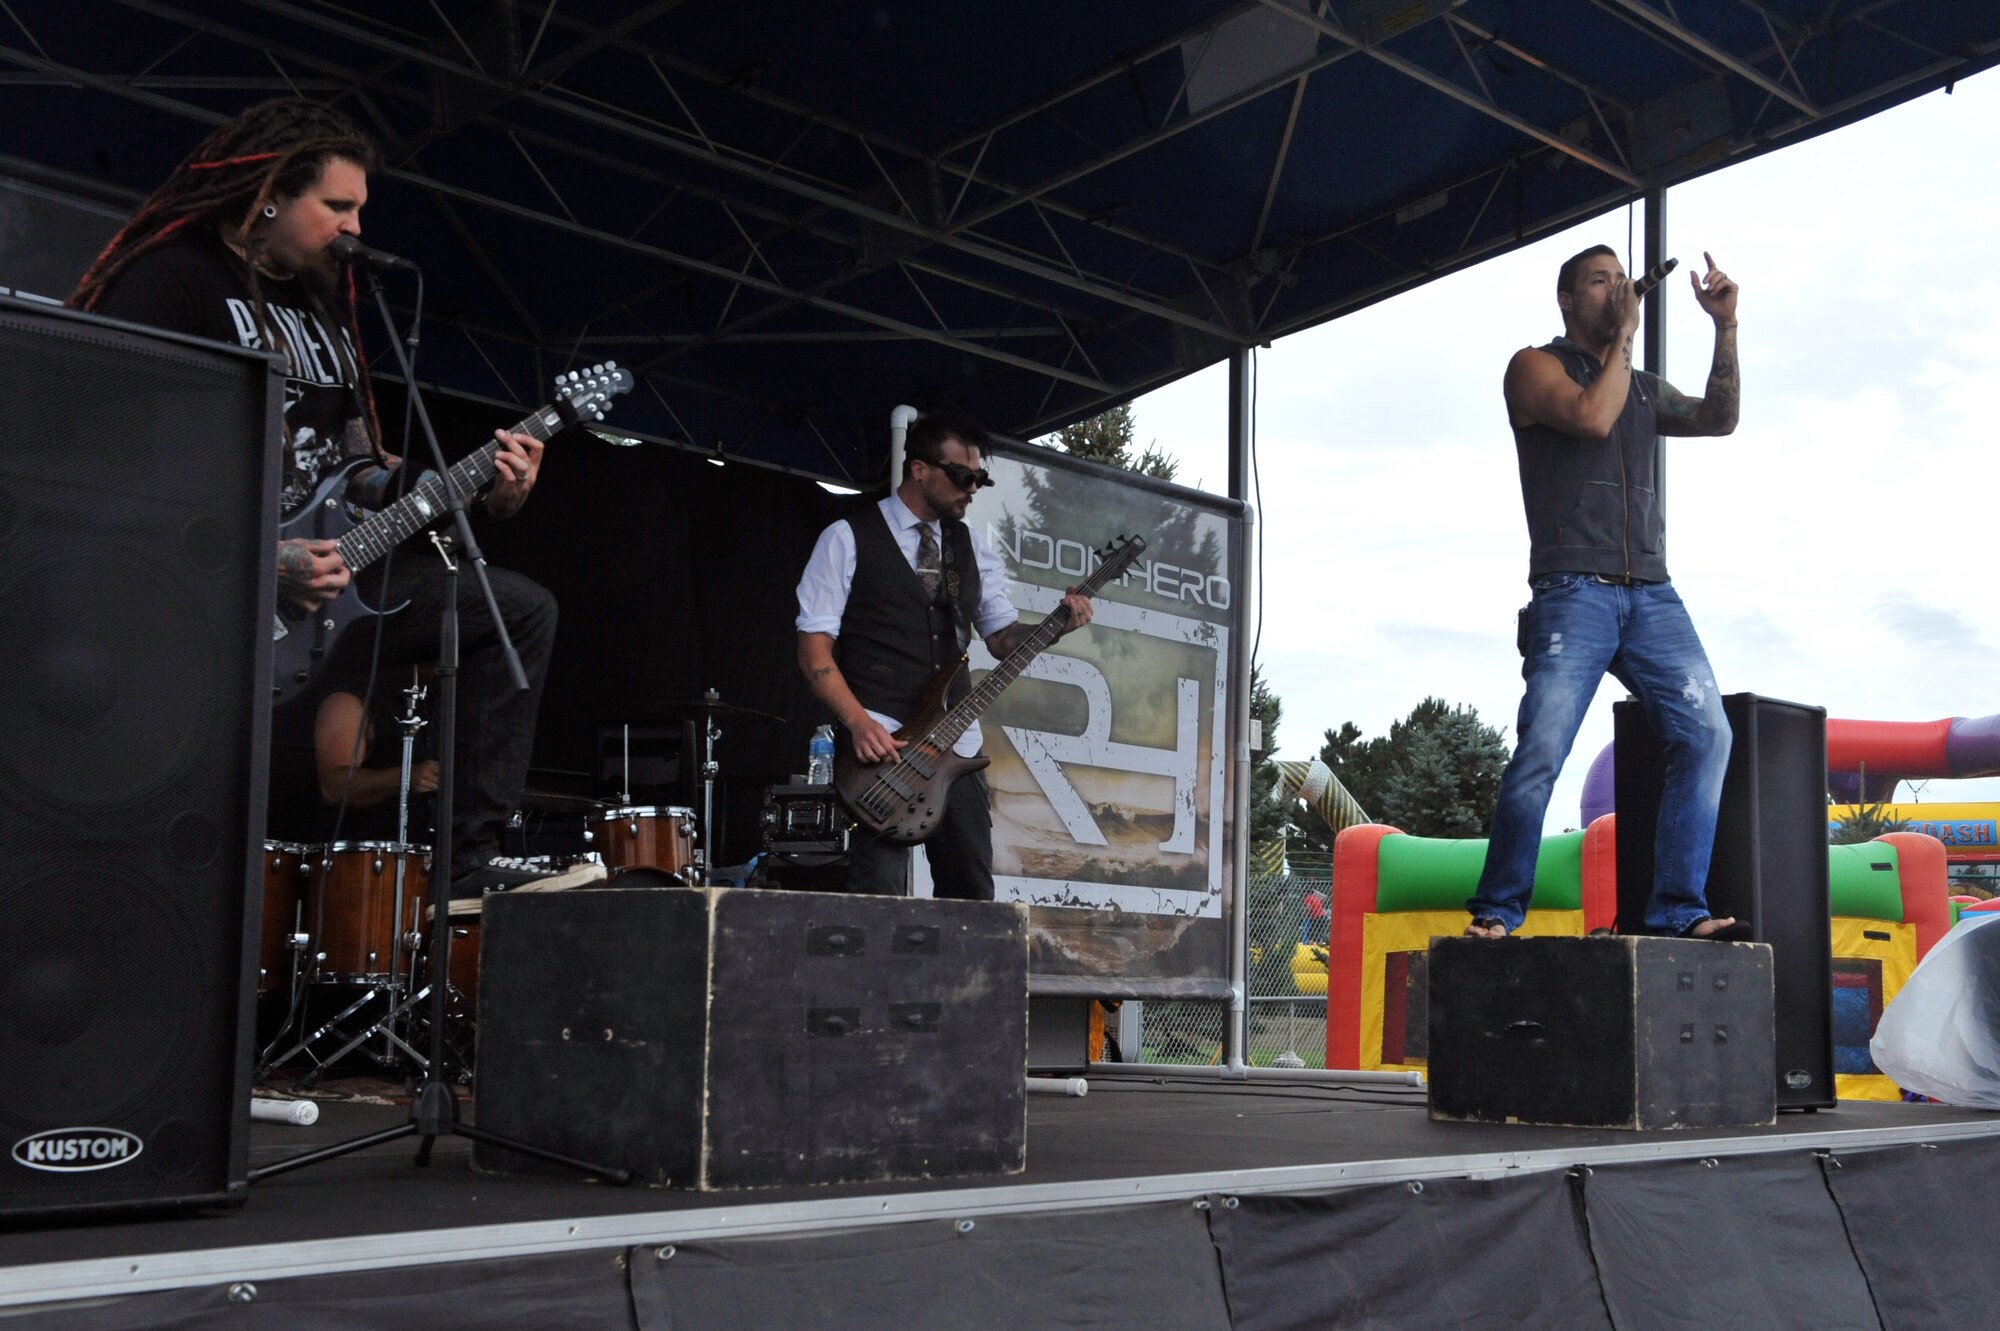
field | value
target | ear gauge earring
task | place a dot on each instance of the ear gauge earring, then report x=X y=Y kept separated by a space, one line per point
x=270 y=210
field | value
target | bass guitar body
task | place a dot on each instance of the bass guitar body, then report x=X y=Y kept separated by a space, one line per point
x=303 y=641
x=901 y=800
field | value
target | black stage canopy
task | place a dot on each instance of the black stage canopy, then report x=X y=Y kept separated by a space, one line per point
x=789 y=217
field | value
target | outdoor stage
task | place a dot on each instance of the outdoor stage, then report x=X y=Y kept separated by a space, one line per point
x=1159 y=1200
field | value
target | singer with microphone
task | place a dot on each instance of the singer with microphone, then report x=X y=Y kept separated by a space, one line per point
x=244 y=243
x=1587 y=432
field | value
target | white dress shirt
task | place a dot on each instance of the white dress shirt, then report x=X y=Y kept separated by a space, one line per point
x=829 y=575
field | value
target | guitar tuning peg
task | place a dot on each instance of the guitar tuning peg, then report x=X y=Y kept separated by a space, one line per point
x=611 y=365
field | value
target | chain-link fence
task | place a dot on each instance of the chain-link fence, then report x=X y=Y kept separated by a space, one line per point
x=1287 y=924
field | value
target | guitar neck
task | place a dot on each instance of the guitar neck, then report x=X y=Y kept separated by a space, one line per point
x=959 y=719
x=429 y=500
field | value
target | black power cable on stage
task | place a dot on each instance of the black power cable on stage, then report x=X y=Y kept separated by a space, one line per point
x=434 y=1107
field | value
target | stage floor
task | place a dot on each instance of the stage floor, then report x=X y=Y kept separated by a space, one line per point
x=1135 y=1138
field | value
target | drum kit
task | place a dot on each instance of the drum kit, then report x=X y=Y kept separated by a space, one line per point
x=344 y=923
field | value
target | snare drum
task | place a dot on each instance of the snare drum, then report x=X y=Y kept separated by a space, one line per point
x=358 y=921
x=646 y=836
x=285 y=866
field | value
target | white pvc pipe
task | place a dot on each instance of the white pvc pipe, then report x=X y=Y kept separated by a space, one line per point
x=301 y=1113
x=1350 y=1077
x=1058 y=1086
x=899 y=430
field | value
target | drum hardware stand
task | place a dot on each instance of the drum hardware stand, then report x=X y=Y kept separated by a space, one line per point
x=409 y=723
x=434 y=1108
x=296 y=943
x=625 y=743
x=703 y=851
x=402 y=944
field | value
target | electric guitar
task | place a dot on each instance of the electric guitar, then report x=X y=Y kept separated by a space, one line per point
x=303 y=640
x=900 y=799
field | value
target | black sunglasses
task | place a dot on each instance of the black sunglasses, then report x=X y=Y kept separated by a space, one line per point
x=964 y=477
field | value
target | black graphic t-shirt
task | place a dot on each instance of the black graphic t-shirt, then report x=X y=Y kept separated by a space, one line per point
x=197 y=285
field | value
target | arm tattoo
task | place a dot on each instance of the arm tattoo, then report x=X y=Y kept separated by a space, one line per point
x=369 y=487
x=819 y=674
x=1714 y=413
x=1724 y=386
x=1628 y=353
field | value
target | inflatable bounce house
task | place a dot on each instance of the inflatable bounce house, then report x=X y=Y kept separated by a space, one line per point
x=1889 y=909
x=1393 y=893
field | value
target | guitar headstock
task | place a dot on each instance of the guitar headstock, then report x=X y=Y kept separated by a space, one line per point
x=589 y=392
x=1112 y=561
x=1120 y=553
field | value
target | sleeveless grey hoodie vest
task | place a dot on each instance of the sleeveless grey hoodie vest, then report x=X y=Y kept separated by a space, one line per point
x=1590 y=502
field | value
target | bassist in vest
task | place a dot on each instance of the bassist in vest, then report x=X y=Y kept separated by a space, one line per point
x=235 y=246
x=1587 y=429
x=890 y=597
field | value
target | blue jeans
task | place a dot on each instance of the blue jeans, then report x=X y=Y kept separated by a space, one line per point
x=1578 y=629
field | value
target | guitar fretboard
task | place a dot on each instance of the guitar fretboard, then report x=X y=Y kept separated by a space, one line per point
x=428 y=502
x=955 y=722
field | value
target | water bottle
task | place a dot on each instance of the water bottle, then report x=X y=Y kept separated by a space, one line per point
x=819 y=757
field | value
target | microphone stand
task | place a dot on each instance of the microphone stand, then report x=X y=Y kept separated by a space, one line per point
x=434 y=1103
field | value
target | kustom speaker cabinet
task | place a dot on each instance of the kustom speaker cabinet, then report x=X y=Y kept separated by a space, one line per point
x=1769 y=864
x=738 y=1038
x=138 y=483
x=1612 y=1032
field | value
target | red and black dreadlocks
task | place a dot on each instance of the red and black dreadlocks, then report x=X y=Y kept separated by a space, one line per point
x=271 y=152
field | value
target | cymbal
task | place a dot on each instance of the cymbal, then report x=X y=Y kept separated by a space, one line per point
x=716 y=707
x=554 y=801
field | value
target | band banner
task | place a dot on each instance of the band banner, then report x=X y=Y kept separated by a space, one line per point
x=1112 y=810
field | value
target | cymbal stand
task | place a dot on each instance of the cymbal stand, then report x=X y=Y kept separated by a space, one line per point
x=704 y=850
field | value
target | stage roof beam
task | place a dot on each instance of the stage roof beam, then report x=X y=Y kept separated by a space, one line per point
x=1438 y=83
x=1714 y=55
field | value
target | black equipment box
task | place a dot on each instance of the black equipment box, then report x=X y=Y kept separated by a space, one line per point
x=803 y=819
x=1602 y=1032
x=736 y=1038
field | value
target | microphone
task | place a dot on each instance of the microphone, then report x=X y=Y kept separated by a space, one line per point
x=349 y=250
x=1640 y=289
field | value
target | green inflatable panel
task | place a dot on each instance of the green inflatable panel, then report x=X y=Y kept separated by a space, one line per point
x=1436 y=873
x=1864 y=881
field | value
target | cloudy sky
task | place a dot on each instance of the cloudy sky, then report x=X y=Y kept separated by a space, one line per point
x=1839 y=549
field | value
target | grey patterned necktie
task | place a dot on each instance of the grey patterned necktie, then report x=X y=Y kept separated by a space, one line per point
x=929 y=567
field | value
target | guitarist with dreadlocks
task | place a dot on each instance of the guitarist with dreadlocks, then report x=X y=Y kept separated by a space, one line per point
x=234 y=247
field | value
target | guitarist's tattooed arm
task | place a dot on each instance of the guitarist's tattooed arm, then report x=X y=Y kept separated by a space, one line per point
x=872 y=741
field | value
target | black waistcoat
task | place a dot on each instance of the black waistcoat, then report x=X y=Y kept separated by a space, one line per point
x=892 y=637
x=1591 y=505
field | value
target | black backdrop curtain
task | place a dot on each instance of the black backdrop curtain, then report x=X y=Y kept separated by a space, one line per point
x=674 y=576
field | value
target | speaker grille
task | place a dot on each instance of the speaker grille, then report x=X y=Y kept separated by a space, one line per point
x=117 y=681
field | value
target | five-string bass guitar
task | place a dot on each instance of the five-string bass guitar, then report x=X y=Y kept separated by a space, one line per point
x=303 y=640
x=900 y=799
